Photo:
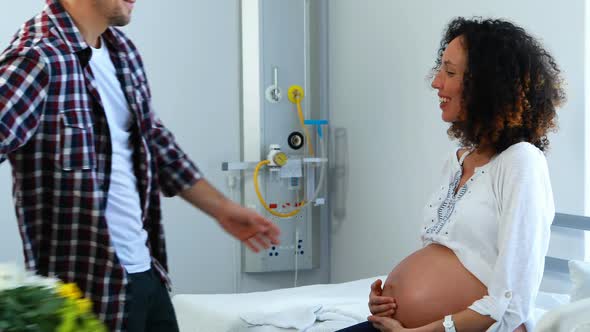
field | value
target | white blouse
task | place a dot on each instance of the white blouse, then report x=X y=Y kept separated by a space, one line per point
x=498 y=225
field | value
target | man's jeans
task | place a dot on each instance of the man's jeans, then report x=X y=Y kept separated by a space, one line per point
x=150 y=308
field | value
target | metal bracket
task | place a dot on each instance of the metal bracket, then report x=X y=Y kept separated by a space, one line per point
x=251 y=165
x=273 y=92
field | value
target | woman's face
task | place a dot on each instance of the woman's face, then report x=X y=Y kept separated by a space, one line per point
x=449 y=80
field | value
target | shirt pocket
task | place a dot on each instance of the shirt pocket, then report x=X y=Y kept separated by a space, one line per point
x=77 y=150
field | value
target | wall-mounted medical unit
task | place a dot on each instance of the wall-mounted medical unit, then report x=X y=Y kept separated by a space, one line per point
x=284 y=141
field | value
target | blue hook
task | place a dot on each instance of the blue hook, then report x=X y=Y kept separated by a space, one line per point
x=318 y=123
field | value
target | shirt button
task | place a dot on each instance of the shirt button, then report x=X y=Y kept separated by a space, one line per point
x=508 y=294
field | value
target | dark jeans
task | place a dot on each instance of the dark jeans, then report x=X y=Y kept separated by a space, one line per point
x=149 y=308
x=362 y=327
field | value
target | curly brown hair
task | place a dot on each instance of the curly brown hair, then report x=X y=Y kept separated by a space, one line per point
x=511 y=86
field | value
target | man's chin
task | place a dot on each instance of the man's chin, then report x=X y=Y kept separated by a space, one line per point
x=120 y=21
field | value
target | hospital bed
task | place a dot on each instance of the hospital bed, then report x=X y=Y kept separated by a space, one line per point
x=329 y=307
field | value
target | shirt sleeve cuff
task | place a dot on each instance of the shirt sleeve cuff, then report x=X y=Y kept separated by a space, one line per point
x=5 y=135
x=494 y=307
x=178 y=176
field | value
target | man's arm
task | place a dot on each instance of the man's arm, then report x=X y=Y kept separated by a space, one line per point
x=176 y=172
x=178 y=175
x=244 y=224
x=205 y=197
x=24 y=81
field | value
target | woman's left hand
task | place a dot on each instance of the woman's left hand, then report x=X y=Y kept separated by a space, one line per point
x=386 y=324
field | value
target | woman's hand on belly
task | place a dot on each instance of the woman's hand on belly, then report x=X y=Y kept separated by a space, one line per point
x=379 y=305
x=386 y=324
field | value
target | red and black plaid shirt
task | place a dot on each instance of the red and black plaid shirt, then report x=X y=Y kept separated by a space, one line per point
x=54 y=132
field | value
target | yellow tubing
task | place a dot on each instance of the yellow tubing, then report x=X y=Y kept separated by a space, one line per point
x=295 y=95
x=263 y=202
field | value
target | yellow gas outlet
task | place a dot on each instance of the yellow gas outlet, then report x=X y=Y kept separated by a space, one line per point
x=294 y=92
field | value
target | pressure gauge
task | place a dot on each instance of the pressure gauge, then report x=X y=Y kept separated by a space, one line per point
x=280 y=159
x=276 y=157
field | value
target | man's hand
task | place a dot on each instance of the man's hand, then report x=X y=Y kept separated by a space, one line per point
x=382 y=306
x=246 y=225
x=386 y=324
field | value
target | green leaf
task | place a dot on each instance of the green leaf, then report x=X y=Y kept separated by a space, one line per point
x=39 y=309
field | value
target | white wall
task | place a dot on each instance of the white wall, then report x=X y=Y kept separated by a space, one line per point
x=191 y=54
x=380 y=54
x=10 y=242
x=191 y=50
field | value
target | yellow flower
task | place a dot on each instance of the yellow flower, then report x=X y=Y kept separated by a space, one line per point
x=69 y=291
x=84 y=305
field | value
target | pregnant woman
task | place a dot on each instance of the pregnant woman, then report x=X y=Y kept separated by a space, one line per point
x=486 y=227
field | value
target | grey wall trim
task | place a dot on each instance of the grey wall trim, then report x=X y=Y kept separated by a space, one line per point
x=556 y=264
x=572 y=221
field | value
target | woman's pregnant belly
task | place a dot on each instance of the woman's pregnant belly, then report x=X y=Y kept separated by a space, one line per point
x=429 y=284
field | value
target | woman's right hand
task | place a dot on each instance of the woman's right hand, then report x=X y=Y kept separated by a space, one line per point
x=382 y=306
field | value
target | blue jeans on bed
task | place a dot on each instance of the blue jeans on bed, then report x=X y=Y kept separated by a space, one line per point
x=362 y=327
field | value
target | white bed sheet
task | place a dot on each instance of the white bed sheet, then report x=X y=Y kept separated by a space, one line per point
x=223 y=312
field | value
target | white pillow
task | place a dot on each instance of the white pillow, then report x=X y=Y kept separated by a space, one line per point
x=580 y=276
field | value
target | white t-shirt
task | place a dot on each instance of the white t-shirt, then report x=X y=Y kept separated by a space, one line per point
x=498 y=224
x=123 y=211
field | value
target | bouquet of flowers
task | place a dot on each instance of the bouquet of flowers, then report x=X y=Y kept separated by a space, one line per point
x=33 y=303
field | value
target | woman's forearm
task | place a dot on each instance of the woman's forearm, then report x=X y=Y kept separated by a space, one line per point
x=465 y=321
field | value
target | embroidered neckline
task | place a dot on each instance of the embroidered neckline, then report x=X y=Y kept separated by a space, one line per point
x=446 y=209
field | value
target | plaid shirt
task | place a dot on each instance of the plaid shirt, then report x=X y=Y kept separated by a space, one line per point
x=54 y=132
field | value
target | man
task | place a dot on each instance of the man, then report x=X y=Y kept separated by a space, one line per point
x=89 y=160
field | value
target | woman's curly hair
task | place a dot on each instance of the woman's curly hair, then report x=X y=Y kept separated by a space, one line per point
x=511 y=86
